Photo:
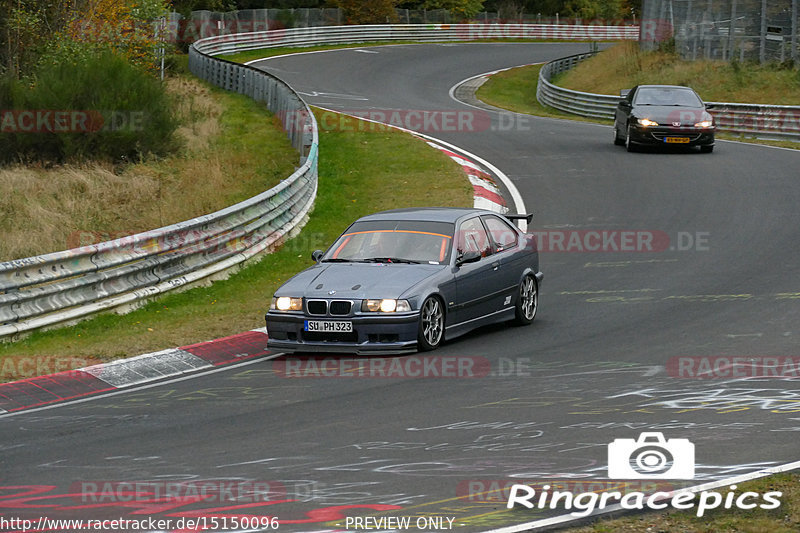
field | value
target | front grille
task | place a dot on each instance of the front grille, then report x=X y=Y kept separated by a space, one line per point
x=383 y=337
x=332 y=307
x=317 y=307
x=340 y=307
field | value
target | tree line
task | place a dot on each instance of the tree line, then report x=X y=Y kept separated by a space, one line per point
x=378 y=10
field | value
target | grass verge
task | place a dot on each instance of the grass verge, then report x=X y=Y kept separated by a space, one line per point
x=515 y=90
x=624 y=65
x=361 y=170
x=50 y=209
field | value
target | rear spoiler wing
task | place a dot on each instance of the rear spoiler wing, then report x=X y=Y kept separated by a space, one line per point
x=527 y=217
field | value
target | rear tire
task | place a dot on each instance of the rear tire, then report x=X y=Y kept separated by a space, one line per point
x=527 y=301
x=431 y=324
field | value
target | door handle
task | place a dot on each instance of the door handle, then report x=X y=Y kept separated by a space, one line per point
x=495 y=265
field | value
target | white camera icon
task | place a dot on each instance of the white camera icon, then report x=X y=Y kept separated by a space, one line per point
x=651 y=457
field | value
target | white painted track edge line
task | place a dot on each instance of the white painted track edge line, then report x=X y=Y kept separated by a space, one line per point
x=452 y=91
x=563 y=519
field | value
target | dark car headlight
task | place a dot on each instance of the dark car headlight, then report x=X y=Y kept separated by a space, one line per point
x=385 y=305
x=286 y=303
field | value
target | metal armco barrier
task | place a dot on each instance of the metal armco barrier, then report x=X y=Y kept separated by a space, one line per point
x=66 y=286
x=240 y=42
x=766 y=121
x=567 y=100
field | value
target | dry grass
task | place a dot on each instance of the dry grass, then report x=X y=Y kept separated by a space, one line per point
x=625 y=65
x=50 y=209
x=198 y=112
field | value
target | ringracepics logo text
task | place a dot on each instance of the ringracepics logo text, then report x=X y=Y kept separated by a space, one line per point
x=650 y=456
x=586 y=503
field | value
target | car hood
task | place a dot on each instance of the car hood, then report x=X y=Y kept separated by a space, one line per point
x=357 y=280
x=668 y=115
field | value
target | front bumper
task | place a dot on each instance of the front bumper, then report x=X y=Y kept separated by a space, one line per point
x=660 y=135
x=384 y=334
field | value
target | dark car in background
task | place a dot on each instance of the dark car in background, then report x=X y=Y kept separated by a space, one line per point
x=408 y=279
x=670 y=115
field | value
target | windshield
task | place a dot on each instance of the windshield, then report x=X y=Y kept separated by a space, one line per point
x=394 y=242
x=667 y=96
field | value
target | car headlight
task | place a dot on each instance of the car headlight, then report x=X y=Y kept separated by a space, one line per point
x=386 y=305
x=704 y=124
x=647 y=122
x=286 y=303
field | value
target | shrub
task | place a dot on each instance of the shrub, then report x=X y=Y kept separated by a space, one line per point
x=126 y=112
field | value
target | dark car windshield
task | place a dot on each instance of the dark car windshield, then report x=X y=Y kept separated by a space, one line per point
x=667 y=96
x=396 y=241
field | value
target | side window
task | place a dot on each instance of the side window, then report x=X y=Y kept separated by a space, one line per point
x=503 y=235
x=472 y=237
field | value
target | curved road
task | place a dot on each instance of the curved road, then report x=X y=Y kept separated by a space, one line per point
x=715 y=274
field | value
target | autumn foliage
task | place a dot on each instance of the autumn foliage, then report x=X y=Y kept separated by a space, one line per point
x=33 y=30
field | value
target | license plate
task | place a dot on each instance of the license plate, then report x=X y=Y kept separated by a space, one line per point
x=329 y=326
x=679 y=140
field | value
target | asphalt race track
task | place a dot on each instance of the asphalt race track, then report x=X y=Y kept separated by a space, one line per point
x=657 y=265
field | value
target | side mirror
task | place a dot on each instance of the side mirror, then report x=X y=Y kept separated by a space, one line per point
x=710 y=106
x=624 y=103
x=468 y=257
x=316 y=255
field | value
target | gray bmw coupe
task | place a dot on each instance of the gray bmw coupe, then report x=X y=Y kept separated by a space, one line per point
x=408 y=279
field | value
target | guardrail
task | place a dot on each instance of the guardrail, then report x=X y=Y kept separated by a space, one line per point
x=65 y=286
x=242 y=42
x=764 y=121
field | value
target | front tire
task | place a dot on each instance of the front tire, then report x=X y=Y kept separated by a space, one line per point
x=527 y=301
x=629 y=145
x=617 y=140
x=707 y=149
x=431 y=324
